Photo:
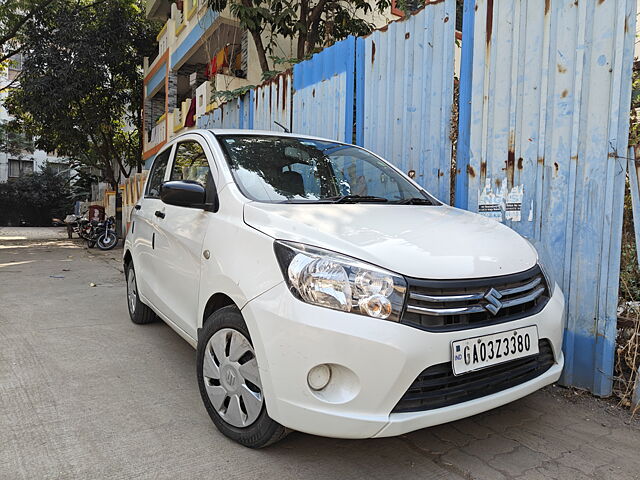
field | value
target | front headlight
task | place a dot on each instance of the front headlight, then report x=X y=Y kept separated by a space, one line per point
x=545 y=263
x=329 y=279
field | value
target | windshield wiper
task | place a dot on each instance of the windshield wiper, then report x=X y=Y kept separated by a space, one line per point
x=356 y=199
x=415 y=201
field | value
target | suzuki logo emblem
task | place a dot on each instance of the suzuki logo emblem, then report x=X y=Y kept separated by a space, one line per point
x=493 y=297
x=231 y=378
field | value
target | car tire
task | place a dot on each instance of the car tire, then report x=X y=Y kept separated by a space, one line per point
x=260 y=430
x=138 y=312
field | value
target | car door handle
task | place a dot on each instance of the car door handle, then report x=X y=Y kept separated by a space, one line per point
x=159 y=214
x=138 y=207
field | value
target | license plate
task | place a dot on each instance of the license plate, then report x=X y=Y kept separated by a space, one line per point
x=482 y=352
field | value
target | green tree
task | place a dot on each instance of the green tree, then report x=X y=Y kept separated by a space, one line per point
x=13 y=140
x=313 y=24
x=35 y=198
x=15 y=18
x=81 y=85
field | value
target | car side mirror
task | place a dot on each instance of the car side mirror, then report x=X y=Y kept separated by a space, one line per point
x=183 y=193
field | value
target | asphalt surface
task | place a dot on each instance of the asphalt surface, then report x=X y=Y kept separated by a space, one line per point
x=84 y=393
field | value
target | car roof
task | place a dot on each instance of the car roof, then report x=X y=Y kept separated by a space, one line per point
x=234 y=131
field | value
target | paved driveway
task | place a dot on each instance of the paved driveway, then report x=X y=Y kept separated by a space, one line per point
x=84 y=393
x=32 y=233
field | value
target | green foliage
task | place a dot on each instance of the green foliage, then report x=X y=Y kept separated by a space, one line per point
x=634 y=130
x=269 y=74
x=13 y=140
x=15 y=19
x=81 y=183
x=228 y=95
x=289 y=61
x=629 y=271
x=81 y=83
x=312 y=24
x=35 y=199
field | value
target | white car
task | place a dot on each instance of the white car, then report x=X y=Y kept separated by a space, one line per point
x=327 y=292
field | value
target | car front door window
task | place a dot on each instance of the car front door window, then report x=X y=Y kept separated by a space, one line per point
x=191 y=163
x=156 y=177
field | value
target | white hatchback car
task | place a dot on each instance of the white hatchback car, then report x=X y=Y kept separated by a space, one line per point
x=327 y=292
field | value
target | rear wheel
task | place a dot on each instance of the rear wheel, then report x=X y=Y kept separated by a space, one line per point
x=138 y=311
x=229 y=381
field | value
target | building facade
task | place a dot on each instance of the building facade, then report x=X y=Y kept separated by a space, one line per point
x=201 y=52
x=13 y=166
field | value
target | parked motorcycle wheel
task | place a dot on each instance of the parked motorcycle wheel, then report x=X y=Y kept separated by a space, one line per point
x=107 y=240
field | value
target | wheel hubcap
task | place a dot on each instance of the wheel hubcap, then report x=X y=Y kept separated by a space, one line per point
x=132 y=291
x=231 y=377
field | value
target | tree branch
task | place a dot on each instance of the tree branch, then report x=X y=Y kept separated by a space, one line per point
x=10 y=84
x=317 y=11
x=6 y=56
x=13 y=31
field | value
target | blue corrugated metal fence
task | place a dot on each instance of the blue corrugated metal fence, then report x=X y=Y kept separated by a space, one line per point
x=545 y=94
x=391 y=92
x=405 y=84
x=544 y=99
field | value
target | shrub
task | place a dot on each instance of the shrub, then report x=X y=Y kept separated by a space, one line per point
x=35 y=199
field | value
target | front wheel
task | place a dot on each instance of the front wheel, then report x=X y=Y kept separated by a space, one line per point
x=107 y=240
x=229 y=381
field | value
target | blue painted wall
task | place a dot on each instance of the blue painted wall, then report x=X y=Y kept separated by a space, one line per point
x=157 y=79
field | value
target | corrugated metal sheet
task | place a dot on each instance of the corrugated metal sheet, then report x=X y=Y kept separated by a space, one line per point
x=272 y=103
x=405 y=93
x=549 y=90
x=324 y=92
x=232 y=114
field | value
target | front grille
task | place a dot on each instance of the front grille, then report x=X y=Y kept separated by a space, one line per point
x=445 y=305
x=438 y=387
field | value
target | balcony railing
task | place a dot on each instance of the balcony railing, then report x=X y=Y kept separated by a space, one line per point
x=158 y=135
x=178 y=19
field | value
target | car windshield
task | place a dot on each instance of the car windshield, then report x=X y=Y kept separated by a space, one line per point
x=278 y=169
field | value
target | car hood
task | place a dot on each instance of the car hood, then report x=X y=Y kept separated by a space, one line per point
x=436 y=242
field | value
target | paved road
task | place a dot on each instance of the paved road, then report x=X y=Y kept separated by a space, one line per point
x=32 y=233
x=84 y=393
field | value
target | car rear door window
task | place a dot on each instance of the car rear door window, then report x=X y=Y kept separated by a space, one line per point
x=156 y=177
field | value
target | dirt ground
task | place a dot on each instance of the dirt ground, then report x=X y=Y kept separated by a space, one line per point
x=84 y=393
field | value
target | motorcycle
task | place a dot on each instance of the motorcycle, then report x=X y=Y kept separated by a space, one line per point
x=102 y=234
x=78 y=225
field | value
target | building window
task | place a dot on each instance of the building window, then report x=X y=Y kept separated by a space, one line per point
x=20 y=167
x=59 y=168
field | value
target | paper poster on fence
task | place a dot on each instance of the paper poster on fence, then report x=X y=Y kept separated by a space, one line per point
x=500 y=205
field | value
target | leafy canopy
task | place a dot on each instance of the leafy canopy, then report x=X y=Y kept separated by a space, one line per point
x=312 y=24
x=15 y=19
x=13 y=140
x=81 y=84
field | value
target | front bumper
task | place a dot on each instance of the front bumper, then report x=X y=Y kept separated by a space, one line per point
x=376 y=362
